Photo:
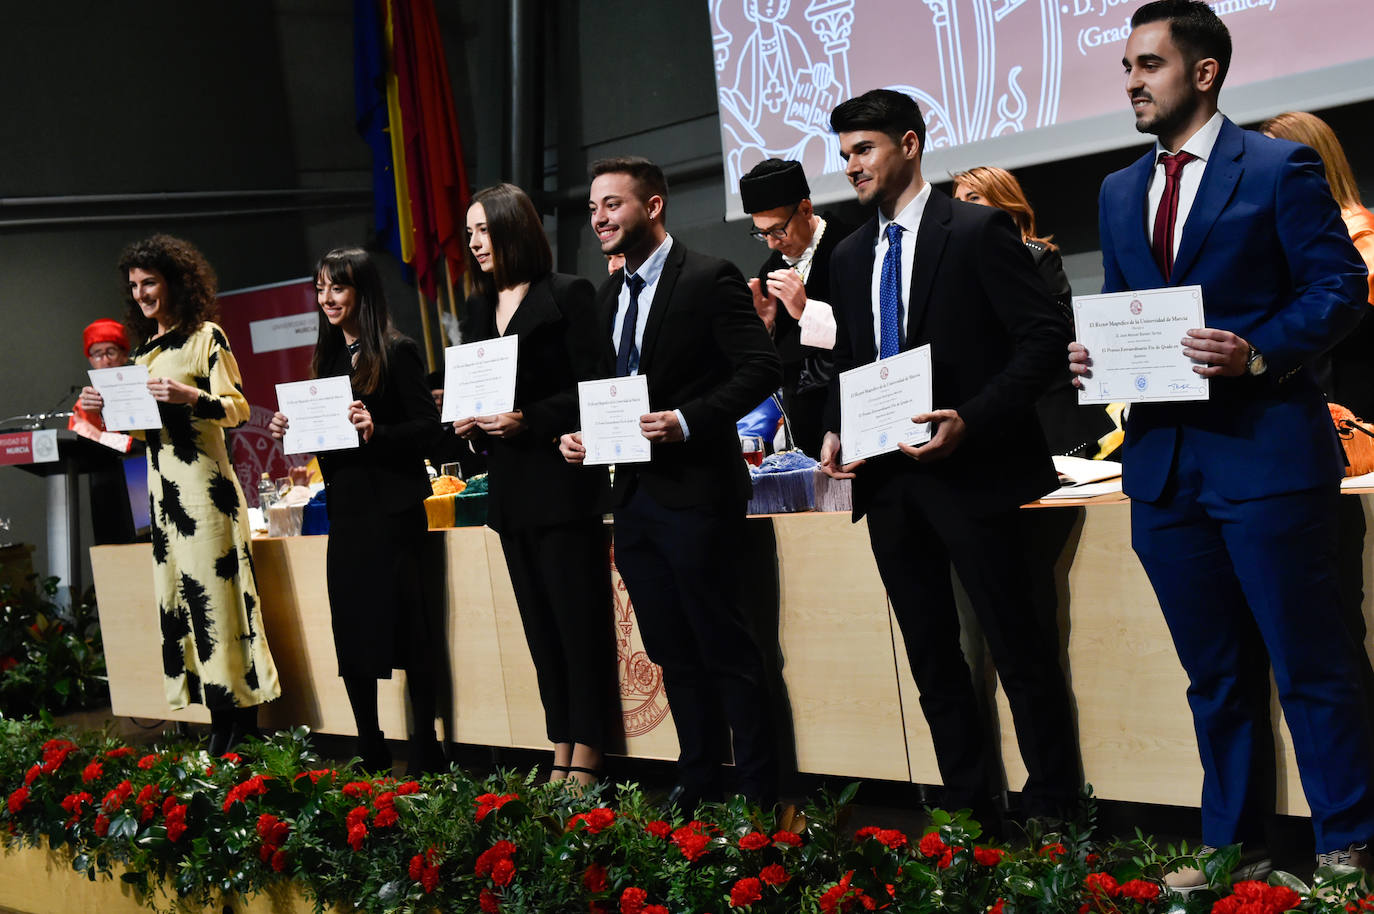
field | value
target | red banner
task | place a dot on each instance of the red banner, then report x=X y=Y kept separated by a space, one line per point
x=272 y=331
x=27 y=447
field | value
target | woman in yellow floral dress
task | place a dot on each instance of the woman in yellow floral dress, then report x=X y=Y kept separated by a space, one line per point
x=214 y=650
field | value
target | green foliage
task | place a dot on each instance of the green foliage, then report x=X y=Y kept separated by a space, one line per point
x=176 y=824
x=50 y=660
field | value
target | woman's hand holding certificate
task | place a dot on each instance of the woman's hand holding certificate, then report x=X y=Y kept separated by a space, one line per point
x=317 y=414
x=127 y=404
x=1132 y=346
x=479 y=378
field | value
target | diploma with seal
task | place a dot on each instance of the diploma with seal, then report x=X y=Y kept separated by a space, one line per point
x=877 y=402
x=610 y=419
x=317 y=415
x=479 y=378
x=1133 y=340
x=128 y=403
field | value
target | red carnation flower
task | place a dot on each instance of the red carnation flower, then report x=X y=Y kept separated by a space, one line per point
x=176 y=822
x=659 y=829
x=501 y=850
x=148 y=761
x=266 y=822
x=356 y=835
x=996 y=907
x=356 y=816
x=147 y=812
x=149 y=794
x=502 y=871
x=931 y=845
x=417 y=865
x=691 y=841
x=595 y=820
x=632 y=900
x=788 y=838
x=17 y=800
x=892 y=838
x=120 y=752
x=594 y=879
x=1141 y=890
x=385 y=818
x=488 y=803
x=863 y=834
x=355 y=789
x=988 y=856
x=488 y=902
x=429 y=879
x=1103 y=884
x=265 y=853
x=745 y=892
x=1053 y=852
x=92 y=772
x=774 y=874
x=754 y=841
x=407 y=788
x=280 y=861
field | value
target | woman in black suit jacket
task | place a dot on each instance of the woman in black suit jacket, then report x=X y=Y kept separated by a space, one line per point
x=547 y=511
x=375 y=499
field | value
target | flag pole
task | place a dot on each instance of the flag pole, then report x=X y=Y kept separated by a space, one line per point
x=424 y=326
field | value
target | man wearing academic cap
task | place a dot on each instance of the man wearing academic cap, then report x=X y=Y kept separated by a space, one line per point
x=792 y=288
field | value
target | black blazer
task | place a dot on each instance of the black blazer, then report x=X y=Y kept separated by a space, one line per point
x=706 y=353
x=387 y=474
x=531 y=485
x=997 y=339
x=806 y=367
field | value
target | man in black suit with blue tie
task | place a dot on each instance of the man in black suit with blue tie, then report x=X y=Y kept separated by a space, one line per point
x=928 y=269
x=687 y=322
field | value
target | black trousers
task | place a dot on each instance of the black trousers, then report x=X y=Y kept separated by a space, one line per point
x=679 y=565
x=562 y=582
x=917 y=528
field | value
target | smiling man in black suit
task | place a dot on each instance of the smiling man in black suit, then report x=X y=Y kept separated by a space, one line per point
x=928 y=269
x=686 y=321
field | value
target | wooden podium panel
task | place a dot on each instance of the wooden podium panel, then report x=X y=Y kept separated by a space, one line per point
x=855 y=709
x=836 y=641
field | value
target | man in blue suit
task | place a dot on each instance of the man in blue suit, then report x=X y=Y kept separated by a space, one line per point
x=1234 y=498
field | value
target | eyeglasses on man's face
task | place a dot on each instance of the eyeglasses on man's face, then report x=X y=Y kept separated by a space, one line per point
x=777 y=232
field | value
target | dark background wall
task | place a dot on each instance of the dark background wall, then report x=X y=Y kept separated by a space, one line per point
x=249 y=106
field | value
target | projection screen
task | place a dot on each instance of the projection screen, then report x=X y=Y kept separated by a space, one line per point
x=1001 y=82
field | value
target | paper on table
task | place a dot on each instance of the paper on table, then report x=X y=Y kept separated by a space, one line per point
x=128 y=403
x=610 y=419
x=1076 y=471
x=1133 y=340
x=877 y=402
x=317 y=415
x=1087 y=490
x=479 y=378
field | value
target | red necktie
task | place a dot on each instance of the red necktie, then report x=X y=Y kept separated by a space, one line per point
x=1167 y=214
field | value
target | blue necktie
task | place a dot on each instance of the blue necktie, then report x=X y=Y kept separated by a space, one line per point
x=627 y=356
x=890 y=294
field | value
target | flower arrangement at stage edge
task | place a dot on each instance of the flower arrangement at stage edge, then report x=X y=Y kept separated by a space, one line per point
x=51 y=659
x=193 y=827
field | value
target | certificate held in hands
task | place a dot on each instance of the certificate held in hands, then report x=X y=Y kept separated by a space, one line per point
x=610 y=419
x=317 y=415
x=1134 y=342
x=128 y=403
x=878 y=400
x=479 y=378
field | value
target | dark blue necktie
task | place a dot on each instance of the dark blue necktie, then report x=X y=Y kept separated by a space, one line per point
x=890 y=294
x=627 y=356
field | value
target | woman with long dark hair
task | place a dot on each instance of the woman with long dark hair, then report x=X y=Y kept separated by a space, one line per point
x=214 y=650
x=375 y=500
x=547 y=511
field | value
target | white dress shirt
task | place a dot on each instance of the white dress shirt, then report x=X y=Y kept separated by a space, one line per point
x=910 y=220
x=651 y=270
x=1189 y=179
